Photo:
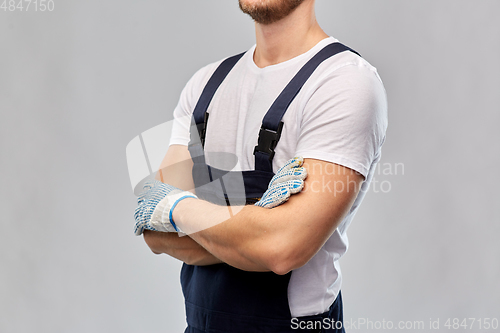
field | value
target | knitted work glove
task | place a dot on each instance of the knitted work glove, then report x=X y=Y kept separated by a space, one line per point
x=288 y=180
x=155 y=206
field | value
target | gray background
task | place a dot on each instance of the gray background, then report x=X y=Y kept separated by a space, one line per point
x=77 y=84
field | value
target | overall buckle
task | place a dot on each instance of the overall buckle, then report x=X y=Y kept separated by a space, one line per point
x=268 y=139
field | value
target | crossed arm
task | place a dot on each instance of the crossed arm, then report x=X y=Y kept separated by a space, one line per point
x=259 y=239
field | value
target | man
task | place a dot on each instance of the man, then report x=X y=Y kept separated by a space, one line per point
x=297 y=92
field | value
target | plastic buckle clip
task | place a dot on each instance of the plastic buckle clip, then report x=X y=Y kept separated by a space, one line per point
x=268 y=139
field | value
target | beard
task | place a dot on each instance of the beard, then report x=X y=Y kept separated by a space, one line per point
x=269 y=11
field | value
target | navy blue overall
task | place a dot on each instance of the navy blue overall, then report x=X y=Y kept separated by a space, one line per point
x=221 y=298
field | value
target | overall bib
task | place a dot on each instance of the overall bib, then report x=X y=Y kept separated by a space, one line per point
x=220 y=298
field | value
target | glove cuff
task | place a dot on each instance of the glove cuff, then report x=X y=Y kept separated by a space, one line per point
x=161 y=218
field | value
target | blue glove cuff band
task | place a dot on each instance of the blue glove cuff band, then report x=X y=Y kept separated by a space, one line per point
x=172 y=210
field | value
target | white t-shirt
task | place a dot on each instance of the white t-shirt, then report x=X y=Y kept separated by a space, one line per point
x=339 y=116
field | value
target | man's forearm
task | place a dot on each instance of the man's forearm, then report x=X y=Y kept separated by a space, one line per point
x=184 y=248
x=279 y=239
x=202 y=221
x=255 y=239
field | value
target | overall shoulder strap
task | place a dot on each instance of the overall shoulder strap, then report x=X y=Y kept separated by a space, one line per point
x=200 y=115
x=272 y=125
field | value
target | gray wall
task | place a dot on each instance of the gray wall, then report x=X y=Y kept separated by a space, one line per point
x=77 y=84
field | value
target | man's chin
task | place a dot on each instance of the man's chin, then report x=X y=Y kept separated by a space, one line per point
x=268 y=11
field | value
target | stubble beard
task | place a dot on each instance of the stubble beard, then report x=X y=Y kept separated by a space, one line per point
x=269 y=11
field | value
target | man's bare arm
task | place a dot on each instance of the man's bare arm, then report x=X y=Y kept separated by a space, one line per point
x=176 y=170
x=183 y=248
x=279 y=239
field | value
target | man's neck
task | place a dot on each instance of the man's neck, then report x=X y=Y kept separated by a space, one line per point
x=283 y=40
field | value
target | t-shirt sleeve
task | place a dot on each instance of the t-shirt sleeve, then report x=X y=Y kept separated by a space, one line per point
x=187 y=102
x=345 y=119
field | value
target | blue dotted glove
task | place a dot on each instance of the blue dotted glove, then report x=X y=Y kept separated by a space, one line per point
x=155 y=206
x=288 y=180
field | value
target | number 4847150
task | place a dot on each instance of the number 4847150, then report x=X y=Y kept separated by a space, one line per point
x=470 y=323
x=26 y=5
